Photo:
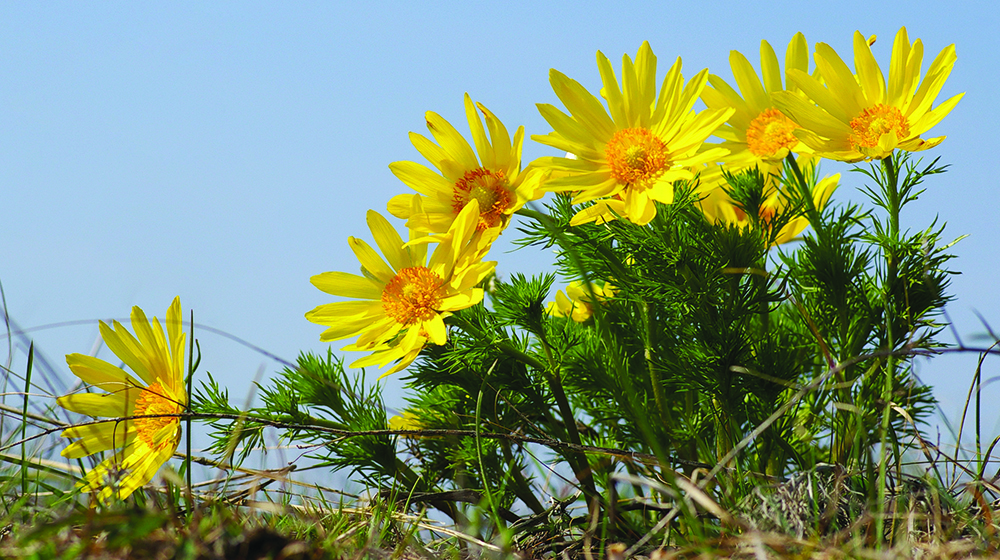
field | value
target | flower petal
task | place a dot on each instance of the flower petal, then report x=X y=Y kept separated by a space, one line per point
x=98 y=437
x=110 y=405
x=370 y=260
x=344 y=284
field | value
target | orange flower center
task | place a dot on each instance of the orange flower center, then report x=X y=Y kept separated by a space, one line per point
x=875 y=121
x=766 y=214
x=413 y=295
x=491 y=189
x=152 y=401
x=771 y=132
x=636 y=157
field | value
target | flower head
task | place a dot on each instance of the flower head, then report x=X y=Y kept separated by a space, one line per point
x=495 y=180
x=577 y=302
x=629 y=159
x=407 y=421
x=145 y=440
x=396 y=308
x=757 y=132
x=719 y=207
x=863 y=116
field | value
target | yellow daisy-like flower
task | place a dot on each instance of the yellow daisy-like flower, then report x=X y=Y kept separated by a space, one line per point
x=576 y=302
x=144 y=441
x=720 y=208
x=865 y=117
x=757 y=132
x=398 y=307
x=629 y=159
x=408 y=421
x=495 y=179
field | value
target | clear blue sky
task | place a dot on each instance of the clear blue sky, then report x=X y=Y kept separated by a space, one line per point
x=225 y=151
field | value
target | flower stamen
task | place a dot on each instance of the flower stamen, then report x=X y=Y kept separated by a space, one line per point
x=770 y=134
x=413 y=295
x=491 y=189
x=876 y=121
x=151 y=401
x=636 y=157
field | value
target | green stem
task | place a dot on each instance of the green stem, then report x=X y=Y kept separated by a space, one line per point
x=618 y=269
x=190 y=380
x=578 y=462
x=521 y=487
x=24 y=419
x=654 y=375
x=804 y=190
x=891 y=189
x=581 y=467
x=482 y=470
x=501 y=345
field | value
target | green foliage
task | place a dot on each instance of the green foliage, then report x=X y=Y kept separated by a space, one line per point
x=716 y=351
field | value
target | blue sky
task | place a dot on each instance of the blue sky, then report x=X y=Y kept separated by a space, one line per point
x=225 y=151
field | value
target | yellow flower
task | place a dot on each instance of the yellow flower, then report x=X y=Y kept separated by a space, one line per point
x=576 y=302
x=408 y=421
x=495 y=180
x=757 y=132
x=398 y=307
x=142 y=443
x=630 y=158
x=720 y=208
x=865 y=117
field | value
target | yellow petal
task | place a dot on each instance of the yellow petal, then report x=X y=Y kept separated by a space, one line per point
x=436 y=331
x=931 y=118
x=869 y=74
x=347 y=285
x=899 y=83
x=602 y=211
x=797 y=55
x=483 y=147
x=645 y=79
x=933 y=82
x=95 y=438
x=840 y=82
x=110 y=405
x=503 y=150
x=770 y=71
x=399 y=205
x=340 y=327
x=748 y=82
x=431 y=151
x=175 y=331
x=462 y=300
x=420 y=178
x=388 y=240
x=139 y=467
x=124 y=345
x=370 y=260
x=345 y=312
x=582 y=105
x=153 y=343
x=809 y=116
x=611 y=92
x=99 y=373
x=570 y=136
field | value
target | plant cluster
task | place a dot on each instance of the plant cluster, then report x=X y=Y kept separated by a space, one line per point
x=697 y=355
